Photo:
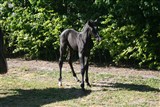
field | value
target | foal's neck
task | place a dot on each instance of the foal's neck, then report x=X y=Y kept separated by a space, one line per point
x=85 y=28
x=86 y=32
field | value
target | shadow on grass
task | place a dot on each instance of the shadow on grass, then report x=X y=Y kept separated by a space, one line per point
x=39 y=97
x=133 y=87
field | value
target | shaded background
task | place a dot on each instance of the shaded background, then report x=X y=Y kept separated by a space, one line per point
x=130 y=29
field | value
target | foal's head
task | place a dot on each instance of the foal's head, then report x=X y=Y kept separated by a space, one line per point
x=94 y=29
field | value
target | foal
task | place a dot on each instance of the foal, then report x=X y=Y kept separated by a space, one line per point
x=81 y=42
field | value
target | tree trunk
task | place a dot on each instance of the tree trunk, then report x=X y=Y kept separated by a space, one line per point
x=3 y=64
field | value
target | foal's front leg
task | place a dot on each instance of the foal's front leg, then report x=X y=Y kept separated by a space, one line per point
x=86 y=67
x=81 y=57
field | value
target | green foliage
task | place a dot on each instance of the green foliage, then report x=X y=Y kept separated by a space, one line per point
x=33 y=31
x=130 y=28
x=131 y=33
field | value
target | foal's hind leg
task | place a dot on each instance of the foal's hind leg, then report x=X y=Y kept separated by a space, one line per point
x=62 y=50
x=70 y=63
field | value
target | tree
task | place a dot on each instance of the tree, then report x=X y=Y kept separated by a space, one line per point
x=3 y=64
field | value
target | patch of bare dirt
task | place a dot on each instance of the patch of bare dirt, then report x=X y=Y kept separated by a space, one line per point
x=38 y=65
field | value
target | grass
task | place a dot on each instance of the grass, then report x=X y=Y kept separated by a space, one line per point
x=25 y=88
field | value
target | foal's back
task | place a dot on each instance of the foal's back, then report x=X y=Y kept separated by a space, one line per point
x=69 y=37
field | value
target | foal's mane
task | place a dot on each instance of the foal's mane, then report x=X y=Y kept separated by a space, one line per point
x=86 y=25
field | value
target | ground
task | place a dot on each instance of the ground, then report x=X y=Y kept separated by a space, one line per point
x=35 y=84
x=53 y=66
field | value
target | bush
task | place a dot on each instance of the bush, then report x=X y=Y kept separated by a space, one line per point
x=33 y=32
x=132 y=33
x=130 y=29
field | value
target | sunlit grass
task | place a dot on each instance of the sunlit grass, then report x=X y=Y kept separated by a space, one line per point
x=25 y=88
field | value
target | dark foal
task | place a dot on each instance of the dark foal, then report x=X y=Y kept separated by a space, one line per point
x=81 y=42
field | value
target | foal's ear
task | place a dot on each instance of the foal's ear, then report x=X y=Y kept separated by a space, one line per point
x=96 y=21
x=90 y=22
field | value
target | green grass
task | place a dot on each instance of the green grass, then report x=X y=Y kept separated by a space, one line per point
x=25 y=88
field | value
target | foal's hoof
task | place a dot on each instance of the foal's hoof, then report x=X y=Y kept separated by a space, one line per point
x=60 y=84
x=88 y=84
x=82 y=86
x=79 y=81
